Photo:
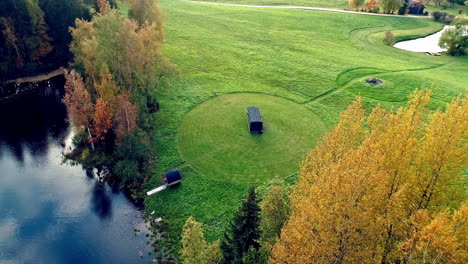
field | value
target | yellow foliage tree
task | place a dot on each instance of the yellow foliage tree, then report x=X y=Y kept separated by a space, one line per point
x=364 y=181
x=437 y=239
x=194 y=247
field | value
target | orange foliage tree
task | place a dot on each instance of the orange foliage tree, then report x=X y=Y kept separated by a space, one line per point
x=103 y=6
x=368 y=179
x=372 y=4
x=77 y=99
x=102 y=119
x=11 y=39
x=126 y=117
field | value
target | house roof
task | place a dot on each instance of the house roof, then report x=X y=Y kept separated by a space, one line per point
x=254 y=114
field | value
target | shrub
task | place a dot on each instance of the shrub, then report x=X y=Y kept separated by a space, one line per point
x=454 y=39
x=426 y=13
x=460 y=11
x=449 y=19
x=444 y=5
x=131 y=158
x=436 y=15
x=443 y=17
x=389 y=38
x=128 y=172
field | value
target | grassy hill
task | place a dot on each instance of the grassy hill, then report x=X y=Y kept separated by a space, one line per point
x=301 y=67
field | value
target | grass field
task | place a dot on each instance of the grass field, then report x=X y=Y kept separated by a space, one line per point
x=339 y=4
x=451 y=10
x=302 y=67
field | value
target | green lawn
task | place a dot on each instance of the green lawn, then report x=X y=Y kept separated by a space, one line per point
x=339 y=4
x=215 y=141
x=451 y=10
x=302 y=67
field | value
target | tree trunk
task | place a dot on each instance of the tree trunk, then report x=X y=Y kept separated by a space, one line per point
x=91 y=137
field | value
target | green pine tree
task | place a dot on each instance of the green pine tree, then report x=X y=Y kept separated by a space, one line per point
x=244 y=231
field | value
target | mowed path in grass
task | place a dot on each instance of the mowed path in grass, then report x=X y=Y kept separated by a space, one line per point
x=314 y=60
x=214 y=138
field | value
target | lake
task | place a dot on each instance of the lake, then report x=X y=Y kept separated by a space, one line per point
x=52 y=212
x=427 y=44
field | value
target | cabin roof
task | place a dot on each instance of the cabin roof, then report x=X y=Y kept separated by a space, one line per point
x=254 y=114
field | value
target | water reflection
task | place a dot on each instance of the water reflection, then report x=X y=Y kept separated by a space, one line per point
x=52 y=212
x=100 y=202
x=29 y=123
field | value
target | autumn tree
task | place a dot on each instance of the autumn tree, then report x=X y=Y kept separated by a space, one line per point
x=103 y=6
x=102 y=119
x=439 y=238
x=78 y=100
x=213 y=253
x=244 y=231
x=356 y=4
x=273 y=215
x=42 y=44
x=369 y=176
x=372 y=5
x=108 y=90
x=8 y=31
x=194 y=247
x=126 y=117
x=193 y=243
x=146 y=12
x=390 y=6
x=113 y=44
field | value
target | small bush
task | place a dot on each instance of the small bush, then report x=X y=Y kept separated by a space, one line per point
x=449 y=19
x=85 y=154
x=460 y=11
x=426 y=13
x=389 y=38
x=443 y=17
x=444 y=5
x=439 y=16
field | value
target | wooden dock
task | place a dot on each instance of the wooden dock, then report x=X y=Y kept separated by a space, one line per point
x=160 y=188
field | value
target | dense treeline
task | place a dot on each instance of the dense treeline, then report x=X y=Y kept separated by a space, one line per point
x=387 y=187
x=118 y=64
x=34 y=34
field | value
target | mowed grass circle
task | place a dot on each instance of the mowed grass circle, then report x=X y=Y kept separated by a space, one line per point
x=214 y=137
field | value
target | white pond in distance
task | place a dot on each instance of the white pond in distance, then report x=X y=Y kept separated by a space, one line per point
x=426 y=44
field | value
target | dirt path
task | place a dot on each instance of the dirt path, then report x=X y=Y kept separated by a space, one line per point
x=307 y=8
x=37 y=78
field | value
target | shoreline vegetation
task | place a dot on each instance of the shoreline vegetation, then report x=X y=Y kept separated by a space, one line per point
x=110 y=94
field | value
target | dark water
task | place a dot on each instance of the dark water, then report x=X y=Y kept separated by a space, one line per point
x=52 y=212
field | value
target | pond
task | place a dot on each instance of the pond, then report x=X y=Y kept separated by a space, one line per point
x=52 y=212
x=426 y=44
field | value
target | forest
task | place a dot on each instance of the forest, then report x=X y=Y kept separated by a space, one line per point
x=35 y=34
